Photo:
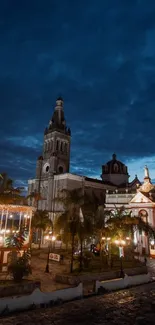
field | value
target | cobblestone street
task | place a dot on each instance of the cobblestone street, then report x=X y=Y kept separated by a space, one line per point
x=135 y=306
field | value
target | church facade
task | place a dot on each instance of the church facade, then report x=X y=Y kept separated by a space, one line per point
x=141 y=203
x=53 y=170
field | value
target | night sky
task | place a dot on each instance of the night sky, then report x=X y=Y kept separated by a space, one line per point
x=100 y=57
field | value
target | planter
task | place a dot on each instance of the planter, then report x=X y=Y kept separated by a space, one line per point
x=11 y=288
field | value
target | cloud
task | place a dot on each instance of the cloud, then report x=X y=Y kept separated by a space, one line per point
x=100 y=58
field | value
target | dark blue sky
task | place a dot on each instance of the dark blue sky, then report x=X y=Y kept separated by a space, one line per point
x=100 y=56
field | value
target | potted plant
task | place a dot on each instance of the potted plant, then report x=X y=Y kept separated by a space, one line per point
x=20 y=267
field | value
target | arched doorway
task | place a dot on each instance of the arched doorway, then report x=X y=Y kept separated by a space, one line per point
x=60 y=170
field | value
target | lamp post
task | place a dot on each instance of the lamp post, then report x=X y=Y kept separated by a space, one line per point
x=107 y=242
x=49 y=250
x=121 y=244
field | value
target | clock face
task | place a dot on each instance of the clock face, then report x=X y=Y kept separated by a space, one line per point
x=46 y=168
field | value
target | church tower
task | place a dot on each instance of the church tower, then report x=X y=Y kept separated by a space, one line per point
x=56 y=148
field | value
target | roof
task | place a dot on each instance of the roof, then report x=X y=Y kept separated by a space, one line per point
x=95 y=180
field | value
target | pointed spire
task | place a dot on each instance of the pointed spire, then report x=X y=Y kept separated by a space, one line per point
x=59 y=104
x=114 y=156
x=57 y=121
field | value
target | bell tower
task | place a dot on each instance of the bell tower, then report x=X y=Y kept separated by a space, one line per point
x=56 y=148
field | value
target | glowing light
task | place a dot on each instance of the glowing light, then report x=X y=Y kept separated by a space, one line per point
x=127 y=238
x=50 y=232
x=53 y=238
x=7 y=231
x=116 y=242
x=108 y=238
x=152 y=242
x=47 y=237
x=103 y=238
x=25 y=216
x=1 y=238
x=123 y=242
x=11 y=216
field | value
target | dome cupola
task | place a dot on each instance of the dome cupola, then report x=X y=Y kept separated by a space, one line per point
x=115 y=172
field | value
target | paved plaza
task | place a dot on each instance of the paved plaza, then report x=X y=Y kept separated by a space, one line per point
x=135 y=306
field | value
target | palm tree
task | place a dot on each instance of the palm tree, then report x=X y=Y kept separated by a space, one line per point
x=8 y=193
x=72 y=221
x=34 y=198
x=40 y=222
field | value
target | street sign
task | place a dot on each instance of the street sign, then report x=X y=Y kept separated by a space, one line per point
x=54 y=257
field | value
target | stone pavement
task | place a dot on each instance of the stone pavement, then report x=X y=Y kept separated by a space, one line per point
x=135 y=306
x=151 y=267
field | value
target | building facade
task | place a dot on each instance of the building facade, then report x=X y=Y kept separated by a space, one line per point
x=53 y=171
x=141 y=203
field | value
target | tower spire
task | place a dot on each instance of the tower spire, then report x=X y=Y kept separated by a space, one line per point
x=57 y=121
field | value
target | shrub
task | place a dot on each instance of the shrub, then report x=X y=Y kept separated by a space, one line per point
x=20 y=267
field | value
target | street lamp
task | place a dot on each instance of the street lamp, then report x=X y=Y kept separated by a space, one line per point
x=121 y=244
x=49 y=250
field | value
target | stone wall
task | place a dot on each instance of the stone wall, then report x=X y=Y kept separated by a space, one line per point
x=76 y=279
x=7 y=288
x=38 y=299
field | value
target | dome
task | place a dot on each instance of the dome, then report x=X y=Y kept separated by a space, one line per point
x=114 y=166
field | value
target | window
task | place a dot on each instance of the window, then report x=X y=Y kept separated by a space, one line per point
x=115 y=168
x=106 y=168
x=65 y=147
x=60 y=169
x=57 y=145
x=143 y=214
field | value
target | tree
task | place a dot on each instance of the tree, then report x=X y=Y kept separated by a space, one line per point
x=8 y=193
x=17 y=239
x=73 y=222
x=122 y=224
x=101 y=229
x=40 y=222
x=34 y=198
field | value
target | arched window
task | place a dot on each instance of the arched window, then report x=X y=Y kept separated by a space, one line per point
x=61 y=146
x=143 y=214
x=57 y=145
x=60 y=170
x=65 y=148
x=106 y=168
x=115 y=168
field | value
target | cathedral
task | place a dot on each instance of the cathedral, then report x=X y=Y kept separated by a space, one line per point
x=113 y=190
x=53 y=169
